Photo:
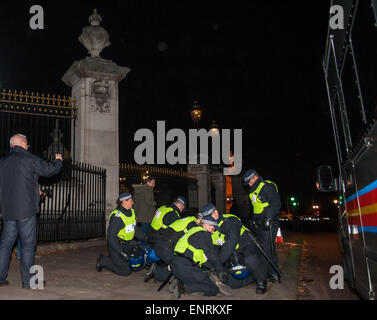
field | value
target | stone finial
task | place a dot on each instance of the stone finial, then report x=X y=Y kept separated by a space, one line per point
x=94 y=37
x=95 y=19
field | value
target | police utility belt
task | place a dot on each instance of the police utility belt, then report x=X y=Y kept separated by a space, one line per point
x=187 y=258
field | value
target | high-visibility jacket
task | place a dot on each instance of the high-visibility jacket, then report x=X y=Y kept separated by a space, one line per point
x=183 y=245
x=243 y=228
x=218 y=238
x=128 y=232
x=158 y=219
x=180 y=225
x=177 y=229
x=257 y=203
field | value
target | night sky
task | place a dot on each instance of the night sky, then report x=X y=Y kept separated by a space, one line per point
x=254 y=65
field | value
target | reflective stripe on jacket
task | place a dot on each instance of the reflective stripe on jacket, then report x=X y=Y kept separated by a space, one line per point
x=128 y=232
x=157 y=221
x=242 y=230
x=183 y=245
x=257 y=203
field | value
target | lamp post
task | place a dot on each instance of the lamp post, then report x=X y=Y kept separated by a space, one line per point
x=196 y=113
x=214 y=129
x=287 y=205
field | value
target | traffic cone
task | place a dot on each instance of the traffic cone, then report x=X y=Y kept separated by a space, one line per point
x=279 y=237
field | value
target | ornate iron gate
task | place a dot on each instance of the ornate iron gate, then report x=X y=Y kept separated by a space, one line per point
x=169 y=183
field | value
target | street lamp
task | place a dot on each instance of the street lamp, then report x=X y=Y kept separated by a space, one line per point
x=196 y=113
x=214 y=129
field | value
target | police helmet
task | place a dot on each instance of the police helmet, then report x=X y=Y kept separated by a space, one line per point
x=248 y=175
x=239 y=272
x=150 y=255
x=137 y=259
x=182 y=201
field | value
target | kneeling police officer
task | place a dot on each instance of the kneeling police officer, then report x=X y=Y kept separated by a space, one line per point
x=195 y=259
x=164 y=216
x=238 y=245
x=122 y=238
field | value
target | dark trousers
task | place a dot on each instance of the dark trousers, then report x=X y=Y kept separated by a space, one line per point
x=163 y=250
x=145 y=228
x=27 y=230
x=265 y=240
x=165 y=253
x=254 y=261
x=115 y=263
x=193 y=277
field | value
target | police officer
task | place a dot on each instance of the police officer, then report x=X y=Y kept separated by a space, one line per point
x=164 y=216
x=121 y=238
x=167 y=214
x=266 y=204
x=194 y=255
x=237 y=242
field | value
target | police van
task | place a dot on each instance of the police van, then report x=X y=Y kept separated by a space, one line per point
x=350 y=68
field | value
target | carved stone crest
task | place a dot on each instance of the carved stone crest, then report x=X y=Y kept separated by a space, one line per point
x=100 y=96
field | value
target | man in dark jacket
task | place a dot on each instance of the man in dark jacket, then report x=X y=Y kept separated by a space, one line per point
x=144 y=203
x=19 y=198
x=265 y=201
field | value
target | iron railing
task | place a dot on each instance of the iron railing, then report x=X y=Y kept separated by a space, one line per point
x=47 y=120
x=74 y=207
x=169 y=182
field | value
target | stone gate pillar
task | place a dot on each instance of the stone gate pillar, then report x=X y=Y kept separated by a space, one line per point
x=202 y=173
x=94 y=83
x=218 y=180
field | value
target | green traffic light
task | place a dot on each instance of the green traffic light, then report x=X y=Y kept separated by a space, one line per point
x=292 y=199
x=294 y=203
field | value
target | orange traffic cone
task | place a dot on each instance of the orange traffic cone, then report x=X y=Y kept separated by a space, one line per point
x=279 y=237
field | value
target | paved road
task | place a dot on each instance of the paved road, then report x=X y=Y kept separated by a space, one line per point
x=71 y=275
x=304 y=259
x=320 y=251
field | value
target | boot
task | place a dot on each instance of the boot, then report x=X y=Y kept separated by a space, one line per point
x=223 y=288
x=175 y=287
x=261 y=287
x=188 y=290
x=98 y=264
x=173 y=283
x=274 y=278
x=151 y=273
x=178 y=289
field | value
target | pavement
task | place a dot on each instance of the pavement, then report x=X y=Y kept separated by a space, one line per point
x=70 y=274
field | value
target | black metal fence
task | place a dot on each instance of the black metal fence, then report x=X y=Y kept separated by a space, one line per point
x=169 y=183
x=74 y=207
x=47 y=121
x=72 y=204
